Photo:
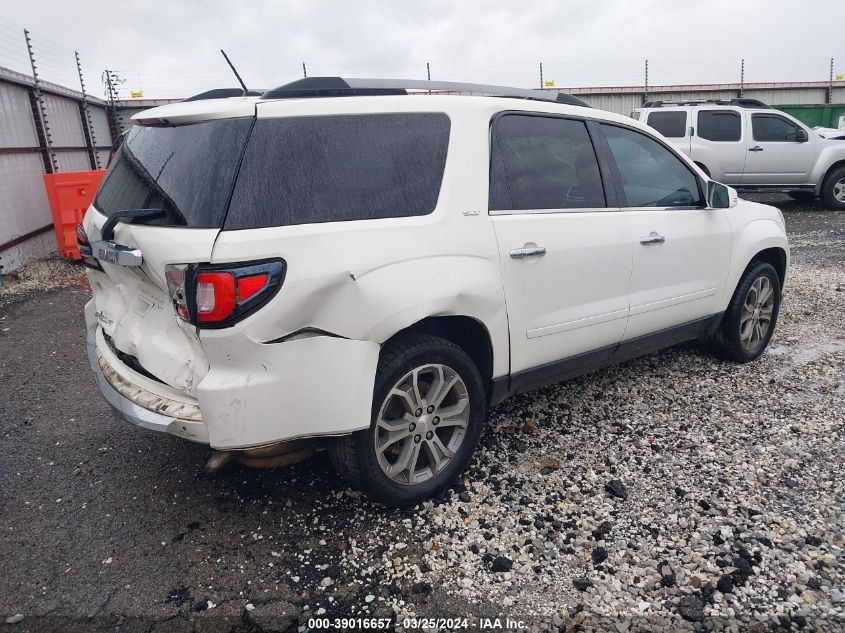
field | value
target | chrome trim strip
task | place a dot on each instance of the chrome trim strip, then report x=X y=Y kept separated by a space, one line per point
x=667 y=209
x=568 y=326
x=551 y=211
x=673 y=301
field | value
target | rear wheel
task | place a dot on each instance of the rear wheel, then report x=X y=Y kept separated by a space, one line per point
x=833 y=189
x=749 y=322
x=429 y=407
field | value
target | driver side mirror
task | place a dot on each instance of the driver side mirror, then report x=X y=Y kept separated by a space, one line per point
x=720 y=196
x=801 y=136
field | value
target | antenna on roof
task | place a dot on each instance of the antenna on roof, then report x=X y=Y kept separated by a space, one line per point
x=232 y=66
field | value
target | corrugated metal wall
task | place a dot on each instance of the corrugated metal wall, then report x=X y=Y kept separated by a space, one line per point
x=23 y=201
x=24 y=209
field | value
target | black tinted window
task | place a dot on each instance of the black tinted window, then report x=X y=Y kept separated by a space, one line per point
x=303 y=170
x=186 y=170
x=669 y=124
x=772 y=128
x=719 y=125
x=652 y=176
x=543 y=163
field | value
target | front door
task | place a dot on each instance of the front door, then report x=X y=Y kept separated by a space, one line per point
x=565 y=255
x=681 y=249
x=777 y=155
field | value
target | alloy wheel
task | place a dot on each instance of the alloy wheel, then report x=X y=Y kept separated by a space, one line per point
x=421 y=424
x=757 y=309
x=839 y=190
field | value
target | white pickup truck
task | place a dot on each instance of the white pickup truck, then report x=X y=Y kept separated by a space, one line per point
x=749 y=145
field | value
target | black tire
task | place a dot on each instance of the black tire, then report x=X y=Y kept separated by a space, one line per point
x=802 y=196
x=727 y=341
x=703 y=168
x=354 y=456
x=833 y=181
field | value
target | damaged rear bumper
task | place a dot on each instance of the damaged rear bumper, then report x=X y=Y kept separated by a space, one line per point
x=253 y=395
x=140 y=406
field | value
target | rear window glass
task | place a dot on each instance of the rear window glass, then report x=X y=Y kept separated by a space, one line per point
x=186 y=170
x=302 y=170
x=669 y=124
x=719 y=125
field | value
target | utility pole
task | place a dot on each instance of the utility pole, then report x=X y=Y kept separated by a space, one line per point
x=645 y=86
x=829 y=99
x=428 y=71
x=39 y=109
x=111 y=79
x=304 y=71
x=541 y=76
x=88 y=123
x=742 y=78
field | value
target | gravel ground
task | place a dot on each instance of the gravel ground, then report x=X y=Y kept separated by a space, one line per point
x=673 y=492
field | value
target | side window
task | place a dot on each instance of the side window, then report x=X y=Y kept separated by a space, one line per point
x=635 y=115
x=669 y=124
x=719 y=125
x=543 y=163
x=652 y=175
x=773 y=128
x=305 y=170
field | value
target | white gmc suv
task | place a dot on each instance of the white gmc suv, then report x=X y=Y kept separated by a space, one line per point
x=353 y=265
x=751 y=146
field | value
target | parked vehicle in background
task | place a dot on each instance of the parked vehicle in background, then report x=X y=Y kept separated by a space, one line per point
x=368 y=270
x=750 y=145
x=837 y=133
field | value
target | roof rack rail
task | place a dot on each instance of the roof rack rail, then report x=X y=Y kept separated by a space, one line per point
x=310 y=87
x=224 y=93
x=742 y=103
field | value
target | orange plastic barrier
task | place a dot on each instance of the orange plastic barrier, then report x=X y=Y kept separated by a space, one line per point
x=70 y=195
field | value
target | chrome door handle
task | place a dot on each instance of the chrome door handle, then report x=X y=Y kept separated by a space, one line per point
x=652 y=238
x=527 y=251
x=756 y=148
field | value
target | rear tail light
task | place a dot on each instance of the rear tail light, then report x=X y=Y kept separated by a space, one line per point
x=85 y=250
x=218 y=296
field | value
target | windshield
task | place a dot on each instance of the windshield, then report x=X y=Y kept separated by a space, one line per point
x=187 y=171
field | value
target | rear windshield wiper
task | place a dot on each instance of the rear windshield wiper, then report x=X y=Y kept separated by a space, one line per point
x=128 y=216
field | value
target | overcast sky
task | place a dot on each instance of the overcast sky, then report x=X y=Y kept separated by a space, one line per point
x=171 y=49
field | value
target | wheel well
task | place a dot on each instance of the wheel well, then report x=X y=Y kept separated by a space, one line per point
x=774 y=256
x=465 y=332
x=835 y=165
x=703 y=168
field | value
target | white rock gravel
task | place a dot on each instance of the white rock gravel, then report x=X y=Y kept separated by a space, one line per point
x=671 y=490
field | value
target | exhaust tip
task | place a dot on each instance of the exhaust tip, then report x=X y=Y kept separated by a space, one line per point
x=218 y=461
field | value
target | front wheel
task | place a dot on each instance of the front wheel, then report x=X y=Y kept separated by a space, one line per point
x=429 y=406
x=749 y=322
x=833 y=189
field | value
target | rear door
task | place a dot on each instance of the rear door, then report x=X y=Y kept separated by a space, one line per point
x=673 y=124
x=681 y=249
x=718 y=143
x=182 y=176
x=776 y=156
x=564 y=248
